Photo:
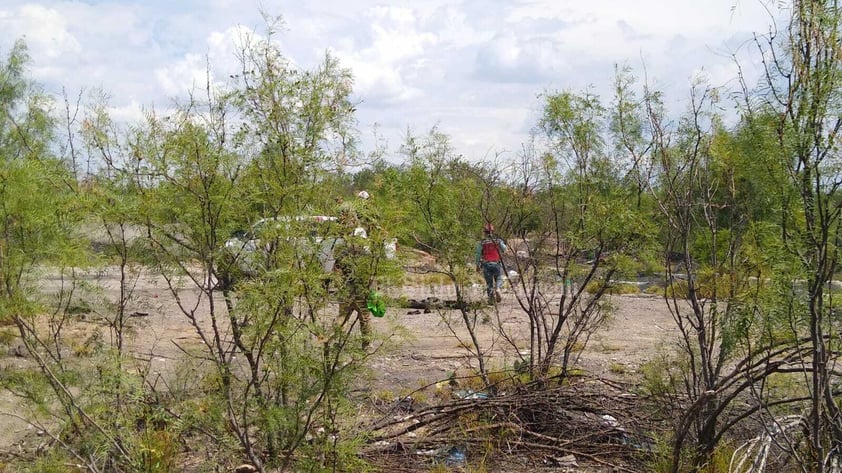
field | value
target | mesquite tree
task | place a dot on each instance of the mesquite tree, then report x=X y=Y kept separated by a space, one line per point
x=40 y=212
x=714 y=190
x=799 y=102
x=587 y=230
x=258 y=151
x=443 y=196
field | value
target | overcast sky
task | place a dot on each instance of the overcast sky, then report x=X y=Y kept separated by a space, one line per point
x=474 y=67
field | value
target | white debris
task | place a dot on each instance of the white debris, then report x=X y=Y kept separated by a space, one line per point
x=610 y=420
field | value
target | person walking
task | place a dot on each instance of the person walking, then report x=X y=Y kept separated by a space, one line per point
x=489 y=260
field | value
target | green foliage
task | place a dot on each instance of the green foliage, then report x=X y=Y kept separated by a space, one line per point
x=55 y=461
x=654 y=290
x=26 y=127
x=159 y=451
x=661 y=461
x=617 y=368
x=438 y=184
x=660 y=374
x=612 y=288
x=574 y=122
x=284 y=375
x=752 y=211
x=36 y=209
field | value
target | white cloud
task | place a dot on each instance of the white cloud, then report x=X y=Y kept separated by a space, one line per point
x=384 y=66
x=45 y=30
x=531 y=59
x=184 y=75
x=219 y=59
x=474 y=66
x=453 y=27
x=131 y=112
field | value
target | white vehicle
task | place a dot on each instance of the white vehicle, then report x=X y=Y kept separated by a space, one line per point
x=306 y=236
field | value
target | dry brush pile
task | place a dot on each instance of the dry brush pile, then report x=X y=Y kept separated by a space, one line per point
x=591 y=421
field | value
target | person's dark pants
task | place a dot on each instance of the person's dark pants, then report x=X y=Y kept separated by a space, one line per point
x=493 y=274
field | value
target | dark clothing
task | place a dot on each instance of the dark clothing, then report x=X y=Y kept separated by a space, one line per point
x=493 y=273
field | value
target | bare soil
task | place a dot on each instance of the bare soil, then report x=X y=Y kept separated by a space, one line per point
x=421 y=348
x=434 y=347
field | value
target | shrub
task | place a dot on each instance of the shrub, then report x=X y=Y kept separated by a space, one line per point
x=707 y=286
x=677 y=289
x=617 y=368
x=661 y=461
x=655 y=290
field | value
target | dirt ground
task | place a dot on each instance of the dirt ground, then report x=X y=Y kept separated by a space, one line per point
x=421 y=347
x=639 y=328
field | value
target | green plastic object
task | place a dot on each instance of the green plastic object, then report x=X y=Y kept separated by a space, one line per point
x=375 y=304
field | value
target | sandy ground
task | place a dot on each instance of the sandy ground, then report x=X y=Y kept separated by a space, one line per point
x=428 y=351
x=640 y=327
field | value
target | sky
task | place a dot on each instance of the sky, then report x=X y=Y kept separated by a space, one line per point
x=476 y=69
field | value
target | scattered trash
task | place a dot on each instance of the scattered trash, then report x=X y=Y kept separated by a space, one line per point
x=376 y=304
x=470 y=394
x=245 y=468
x=623 y=437
x=455 y=457
x=403 y=404
x=610 y=420
x=567 y=461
